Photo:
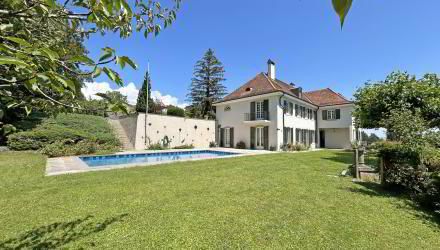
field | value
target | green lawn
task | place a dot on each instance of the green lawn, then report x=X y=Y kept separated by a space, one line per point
x=277 y=200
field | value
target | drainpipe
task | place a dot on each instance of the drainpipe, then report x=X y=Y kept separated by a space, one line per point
x=279 y=100
x=316 y=129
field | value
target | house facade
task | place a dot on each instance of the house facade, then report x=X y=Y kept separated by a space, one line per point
x=267 y=113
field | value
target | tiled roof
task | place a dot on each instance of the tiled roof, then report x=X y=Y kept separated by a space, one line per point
x=262 y=84
x=326 y=97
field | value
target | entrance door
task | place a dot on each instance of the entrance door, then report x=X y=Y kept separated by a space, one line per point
x=259 y=137
x=322 y=138
x=259 y=113
x=227 y=137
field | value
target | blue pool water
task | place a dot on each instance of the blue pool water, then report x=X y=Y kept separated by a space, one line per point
x=105 y=160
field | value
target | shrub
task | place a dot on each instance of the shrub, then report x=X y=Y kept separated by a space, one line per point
x=186 y=146
x=294 y=147
x=241 y=145
x=413 y=170
x=213 y=144
x=175 y=111
x=156 y=146
x=69 y=132
x=66 y=148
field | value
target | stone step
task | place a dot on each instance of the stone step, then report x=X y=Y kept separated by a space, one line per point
x=120 y=133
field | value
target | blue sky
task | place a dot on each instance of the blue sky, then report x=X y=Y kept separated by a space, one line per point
x=302 y=36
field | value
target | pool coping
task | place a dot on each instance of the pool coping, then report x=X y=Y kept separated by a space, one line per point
x=73 y=164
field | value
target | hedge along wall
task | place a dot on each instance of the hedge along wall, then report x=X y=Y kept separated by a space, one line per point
x=180 y=130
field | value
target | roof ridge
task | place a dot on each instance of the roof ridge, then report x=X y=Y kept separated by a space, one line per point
x=270 y=81
x=340 y=95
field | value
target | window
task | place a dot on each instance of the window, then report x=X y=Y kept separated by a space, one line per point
x=296 y=110
x=259 y=114
x=290 y=108
x=331 y=115
x=285 y=107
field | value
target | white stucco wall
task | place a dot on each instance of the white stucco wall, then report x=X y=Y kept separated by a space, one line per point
x=159 y=126
x=292 y=121
x=345 y=121
x=235 y=118
x=342 y=131
x=338 y=138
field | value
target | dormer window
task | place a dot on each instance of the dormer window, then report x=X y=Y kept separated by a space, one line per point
x=248 y=89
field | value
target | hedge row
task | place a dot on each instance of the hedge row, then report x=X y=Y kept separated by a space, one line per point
x=67 y=134
x=415 y=170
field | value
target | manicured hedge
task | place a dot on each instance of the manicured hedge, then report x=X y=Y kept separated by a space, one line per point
x=67 y=134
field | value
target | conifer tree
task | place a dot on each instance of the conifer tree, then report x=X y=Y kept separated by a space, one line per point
x=143 y=93
x=206 y=86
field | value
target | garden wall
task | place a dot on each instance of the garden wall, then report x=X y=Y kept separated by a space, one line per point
x=179 y=130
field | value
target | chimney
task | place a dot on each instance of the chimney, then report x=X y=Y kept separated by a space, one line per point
x=300 y=92
x=271 y=69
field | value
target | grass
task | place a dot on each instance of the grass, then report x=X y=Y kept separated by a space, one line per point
x=272 y=201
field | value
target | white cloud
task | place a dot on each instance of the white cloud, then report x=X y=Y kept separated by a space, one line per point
x=167 y=99
x=90 y=90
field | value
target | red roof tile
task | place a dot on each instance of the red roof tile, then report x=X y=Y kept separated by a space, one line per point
x=262 y=84
x=326 y=97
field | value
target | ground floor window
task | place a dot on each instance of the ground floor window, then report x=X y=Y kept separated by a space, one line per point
x=305 y=136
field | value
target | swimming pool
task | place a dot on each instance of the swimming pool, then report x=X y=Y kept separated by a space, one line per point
x=112 y=160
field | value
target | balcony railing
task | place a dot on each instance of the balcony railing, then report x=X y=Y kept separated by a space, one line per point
x=256 y=116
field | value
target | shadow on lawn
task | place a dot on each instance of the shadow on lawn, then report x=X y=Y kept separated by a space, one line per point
x=375 y=189
x=345 y=157
x=58 y=234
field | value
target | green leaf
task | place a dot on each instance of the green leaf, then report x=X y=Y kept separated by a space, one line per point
x=50 y=53
x=83 y=59
x=106 y=54
x=342 y=7
x=122 y=60
x=113 y=75
x=18 y=40
x=97 y=72
x=6 y=26
x=28 y=109
x=12 y=61
x=2 y=113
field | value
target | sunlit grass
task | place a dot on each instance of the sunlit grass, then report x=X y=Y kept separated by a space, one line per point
x=275 y=200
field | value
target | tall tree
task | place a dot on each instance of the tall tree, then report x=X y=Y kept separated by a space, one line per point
x=145 y=92
x=400 y=92
x=206 y=86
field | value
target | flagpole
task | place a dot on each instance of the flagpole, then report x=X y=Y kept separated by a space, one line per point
x=146 y=102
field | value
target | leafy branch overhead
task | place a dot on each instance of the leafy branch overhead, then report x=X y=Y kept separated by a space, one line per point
x=41 y=51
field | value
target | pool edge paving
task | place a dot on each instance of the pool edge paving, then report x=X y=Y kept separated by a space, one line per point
x=73 y=164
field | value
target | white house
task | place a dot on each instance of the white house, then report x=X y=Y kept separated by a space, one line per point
x=267 y=113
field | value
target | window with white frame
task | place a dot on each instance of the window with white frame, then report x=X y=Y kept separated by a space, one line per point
x=331 y=115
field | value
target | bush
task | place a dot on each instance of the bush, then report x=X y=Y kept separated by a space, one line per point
x=175 y=111
x=186 y=146
x=156 y=146
x=413 y=170
x=70 y=132
x=66 y=148
x=213 y=144
x=295 y=147
x=241 y=145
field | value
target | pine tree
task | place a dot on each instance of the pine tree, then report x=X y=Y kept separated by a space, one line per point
x=143 y=92
x=206 y=86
